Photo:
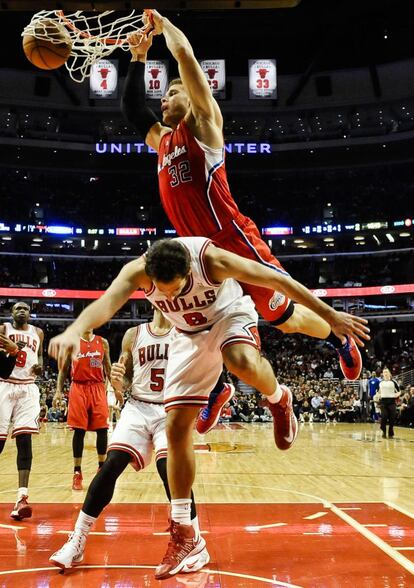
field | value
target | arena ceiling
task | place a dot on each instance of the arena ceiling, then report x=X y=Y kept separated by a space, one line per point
x=313 y=34
x=138 y=4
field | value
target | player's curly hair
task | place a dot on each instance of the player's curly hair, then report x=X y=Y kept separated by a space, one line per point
x=166 y=260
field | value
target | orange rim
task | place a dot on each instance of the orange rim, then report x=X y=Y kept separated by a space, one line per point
x=105 y=40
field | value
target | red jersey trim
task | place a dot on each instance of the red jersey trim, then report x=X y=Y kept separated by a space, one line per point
x=16 y=381
x=139 y=460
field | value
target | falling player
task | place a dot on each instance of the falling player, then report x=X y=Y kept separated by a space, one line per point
x=20 y=399
x=88 y=407
x=195 y=285
x=139 y=432
x=194 y=190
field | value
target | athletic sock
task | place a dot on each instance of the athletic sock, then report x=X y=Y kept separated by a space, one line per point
x=22 y=491
x=84 y=523
x=276 y=396
x=181 y=511
x=77 y=469
x=334 y=340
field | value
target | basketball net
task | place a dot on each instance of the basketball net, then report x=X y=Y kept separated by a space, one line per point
x=93 y=37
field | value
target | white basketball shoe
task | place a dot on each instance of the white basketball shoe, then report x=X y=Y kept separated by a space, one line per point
x=71 y=553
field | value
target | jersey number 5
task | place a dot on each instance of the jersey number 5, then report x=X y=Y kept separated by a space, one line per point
x=157 y=379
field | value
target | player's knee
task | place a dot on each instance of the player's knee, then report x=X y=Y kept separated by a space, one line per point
x=2 y=444
x=180 y=424
x=116 y=462
x=243 y=362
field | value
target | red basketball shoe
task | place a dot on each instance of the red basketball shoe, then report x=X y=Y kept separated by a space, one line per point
x=208 y=417
x=285 y=423
x=77 y=481
x=182 y=549
x=21 y=510
x=350 y=359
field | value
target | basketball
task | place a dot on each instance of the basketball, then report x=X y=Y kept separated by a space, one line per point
x=52 y=50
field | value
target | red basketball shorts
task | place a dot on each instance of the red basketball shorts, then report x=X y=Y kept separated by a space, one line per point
x=241 y=236
x=88 y=407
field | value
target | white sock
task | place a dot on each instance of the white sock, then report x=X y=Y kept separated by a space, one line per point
x=196 y=526
x=181 y=511
x=276 y=396
x=84 y=523
x=21 y=492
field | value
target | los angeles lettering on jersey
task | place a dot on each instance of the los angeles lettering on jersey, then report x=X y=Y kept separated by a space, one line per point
x=30 y=343
x=168 y=157
x=152 y=352
x=88 y=354
x=180 y=304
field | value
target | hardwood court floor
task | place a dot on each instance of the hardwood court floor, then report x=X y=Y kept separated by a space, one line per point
x=332 y=512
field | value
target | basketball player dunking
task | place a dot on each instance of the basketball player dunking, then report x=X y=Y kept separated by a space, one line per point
x=20 y=399
x=193 y=184
x=140 y=431
x=88 y=406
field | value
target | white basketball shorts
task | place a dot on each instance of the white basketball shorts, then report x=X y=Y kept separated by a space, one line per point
x=195 y=360
x=139 y=431
x=19 y=403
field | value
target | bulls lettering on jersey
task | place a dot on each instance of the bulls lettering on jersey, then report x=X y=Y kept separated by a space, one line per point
x=149 y=358
x=26 y=357
x=193 y=184
x=201 y=303
x=88 y=365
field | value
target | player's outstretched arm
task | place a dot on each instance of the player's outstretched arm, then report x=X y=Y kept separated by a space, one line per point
x=133 y=104
x=203 y=104
x=222 y=264
x=130 y=278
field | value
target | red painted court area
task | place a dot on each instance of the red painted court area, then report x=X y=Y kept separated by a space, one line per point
x=307 y=545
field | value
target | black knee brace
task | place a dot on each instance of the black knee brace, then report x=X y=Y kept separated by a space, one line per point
x=162 y=471
x=2 y=444
x=101 y=441
x=24 y=451
x=102 y=487
x=77 y=442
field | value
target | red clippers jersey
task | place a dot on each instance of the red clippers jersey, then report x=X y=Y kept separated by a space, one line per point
x=193 y=184
x=88 y=365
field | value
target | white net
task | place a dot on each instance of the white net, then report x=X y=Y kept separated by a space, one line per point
x=92 y=37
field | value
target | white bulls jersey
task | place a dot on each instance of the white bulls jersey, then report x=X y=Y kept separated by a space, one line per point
x=202 y=303
x=26 y=357
x=149 y=357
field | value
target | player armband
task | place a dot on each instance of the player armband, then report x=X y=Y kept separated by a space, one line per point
x=133 y=105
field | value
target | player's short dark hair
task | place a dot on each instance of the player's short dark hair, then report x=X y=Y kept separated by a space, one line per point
x=166 y=260
x=174 y=82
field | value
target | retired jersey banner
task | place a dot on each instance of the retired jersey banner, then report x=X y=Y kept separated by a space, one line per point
x=215 y=72
x=103 y=81
x=262 y=78
x=156 y=79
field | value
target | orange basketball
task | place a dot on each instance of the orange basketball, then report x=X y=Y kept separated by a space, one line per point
x=44 y=53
